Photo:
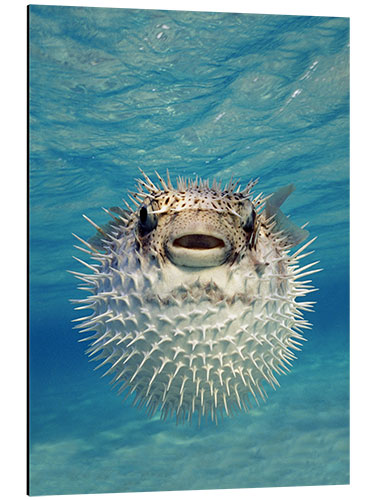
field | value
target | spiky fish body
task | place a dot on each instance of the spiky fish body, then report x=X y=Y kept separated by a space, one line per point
x=195 y=297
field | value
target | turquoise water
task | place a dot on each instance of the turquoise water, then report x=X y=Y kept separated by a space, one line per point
x=197 y=93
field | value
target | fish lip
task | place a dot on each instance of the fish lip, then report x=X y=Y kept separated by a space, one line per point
x=198 y=249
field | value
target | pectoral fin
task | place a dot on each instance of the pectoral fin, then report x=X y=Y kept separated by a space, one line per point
x=97 y=240
x=294 y=234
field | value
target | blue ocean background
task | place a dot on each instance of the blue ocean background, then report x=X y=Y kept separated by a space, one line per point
x=208 y=94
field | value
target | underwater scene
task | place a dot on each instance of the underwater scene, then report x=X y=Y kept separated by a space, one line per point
x=216 y=379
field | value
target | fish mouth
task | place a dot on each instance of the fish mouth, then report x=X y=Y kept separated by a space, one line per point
x=198 y=250
x=198 y=242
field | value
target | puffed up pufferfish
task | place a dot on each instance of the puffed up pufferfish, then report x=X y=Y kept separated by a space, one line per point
x=195 y=296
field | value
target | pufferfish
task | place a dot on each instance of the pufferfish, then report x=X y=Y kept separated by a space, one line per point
x=195 y=296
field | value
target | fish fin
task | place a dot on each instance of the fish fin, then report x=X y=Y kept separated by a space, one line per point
x=293 y=233
x=97 y=240
x=121 y=211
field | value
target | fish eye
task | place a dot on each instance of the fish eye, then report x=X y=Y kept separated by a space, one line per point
x=248 y=221
x=147 y=221
x=143 y=215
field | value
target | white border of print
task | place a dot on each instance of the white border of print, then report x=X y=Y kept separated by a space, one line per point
x=13 y=247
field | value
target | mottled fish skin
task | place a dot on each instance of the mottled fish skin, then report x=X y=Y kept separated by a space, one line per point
x=195 y=296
